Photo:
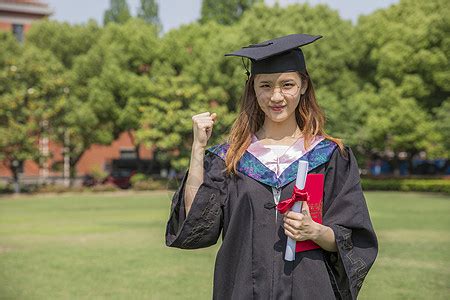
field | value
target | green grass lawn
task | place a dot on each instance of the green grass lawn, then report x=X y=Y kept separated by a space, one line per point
x=111 y=246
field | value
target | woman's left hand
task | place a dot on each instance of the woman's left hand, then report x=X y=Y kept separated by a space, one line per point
x=300 y=226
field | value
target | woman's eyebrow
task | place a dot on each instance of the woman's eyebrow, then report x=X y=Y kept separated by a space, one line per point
x=265 y=81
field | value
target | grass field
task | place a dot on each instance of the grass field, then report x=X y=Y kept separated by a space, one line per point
x=111 y=246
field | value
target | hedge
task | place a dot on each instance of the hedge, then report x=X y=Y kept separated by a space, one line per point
x=146 y=183
x=407 y=185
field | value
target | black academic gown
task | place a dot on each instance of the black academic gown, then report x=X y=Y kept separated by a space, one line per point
x=249 y=263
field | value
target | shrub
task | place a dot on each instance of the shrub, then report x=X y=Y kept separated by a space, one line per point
x=98 y=174
x=104 y=188
x=138 y=177
x=150 y=184
x=6 y=188
x=57 y=188
x=407 y=185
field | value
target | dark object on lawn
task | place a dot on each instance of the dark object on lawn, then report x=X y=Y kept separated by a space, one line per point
x=89 y=180
x=120 y=178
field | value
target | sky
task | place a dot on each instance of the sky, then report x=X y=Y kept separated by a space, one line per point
x=174 y=13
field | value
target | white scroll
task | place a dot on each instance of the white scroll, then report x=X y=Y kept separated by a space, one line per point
x=297 y=207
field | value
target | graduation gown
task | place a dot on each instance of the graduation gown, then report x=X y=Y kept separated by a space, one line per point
x=250 y=262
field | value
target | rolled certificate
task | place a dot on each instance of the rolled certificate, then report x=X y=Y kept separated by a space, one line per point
x=297 y=207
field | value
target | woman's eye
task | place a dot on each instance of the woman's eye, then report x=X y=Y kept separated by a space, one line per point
x=265 y=86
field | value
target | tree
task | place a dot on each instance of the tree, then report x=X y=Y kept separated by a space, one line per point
x=113 y=73
x=148 y=11
x=166 y=118
x=32 y=81
x=408 y=43
x=442 y=118
x=64 y=40
x=383 y=122
x=225 y=12
x=117 y=13
x=72 y=118
x=402 y=54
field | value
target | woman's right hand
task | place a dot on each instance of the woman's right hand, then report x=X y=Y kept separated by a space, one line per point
x=202 y=125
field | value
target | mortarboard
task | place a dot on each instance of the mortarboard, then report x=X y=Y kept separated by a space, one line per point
x=278 y=55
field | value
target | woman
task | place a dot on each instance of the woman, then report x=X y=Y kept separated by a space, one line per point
x=233 y=189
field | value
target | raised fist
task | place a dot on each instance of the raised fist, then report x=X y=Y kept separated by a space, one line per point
x=202 y=125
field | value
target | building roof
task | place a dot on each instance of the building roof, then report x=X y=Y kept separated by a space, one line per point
x=33 y=7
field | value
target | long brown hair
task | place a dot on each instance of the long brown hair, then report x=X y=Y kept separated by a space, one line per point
x=309 y=116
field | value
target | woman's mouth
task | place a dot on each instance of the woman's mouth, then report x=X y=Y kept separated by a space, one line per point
x=277 y=108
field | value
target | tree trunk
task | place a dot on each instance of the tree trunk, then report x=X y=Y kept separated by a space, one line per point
x=14 y=167
x=73 y=170
x=410 y=162
x=67 y=167
x=136 y=150
x=395 y=165
x=138 y=158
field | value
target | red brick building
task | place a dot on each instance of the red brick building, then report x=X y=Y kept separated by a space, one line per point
x=18 y=15
x=96 y=158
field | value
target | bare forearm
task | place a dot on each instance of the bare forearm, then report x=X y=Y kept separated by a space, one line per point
x=195 y=177
x=326 y=239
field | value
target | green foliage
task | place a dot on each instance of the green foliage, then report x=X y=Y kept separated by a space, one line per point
x=166 y=117
x=442 y=114
x=100 y=188
x=382 y=83
x=148 y=11
x=10 y=48
x=117 y=13
x=407 y=43
x=137 y=178
x=385 y=120
x=32 y=82
x=149 y=184
x=65 y=41
x=98 y=173
x=6 y=188
x=106 y=78
x=225 y=12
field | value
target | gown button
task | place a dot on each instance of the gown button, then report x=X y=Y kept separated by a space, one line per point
x=269 y=205
x=278 y=247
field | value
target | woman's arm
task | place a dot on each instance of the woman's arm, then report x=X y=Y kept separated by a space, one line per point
x=202 y=227
x=202 y=125
x=195 y=177
x=325 y=238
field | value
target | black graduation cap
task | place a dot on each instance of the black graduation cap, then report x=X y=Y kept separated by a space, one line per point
x=278 y=55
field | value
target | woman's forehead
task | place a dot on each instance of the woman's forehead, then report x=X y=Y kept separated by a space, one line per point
x=275 y=77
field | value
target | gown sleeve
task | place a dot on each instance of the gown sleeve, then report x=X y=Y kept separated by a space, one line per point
x=345 y=211
x=204 y=222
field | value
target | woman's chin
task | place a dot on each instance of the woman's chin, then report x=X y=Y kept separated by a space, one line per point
x=277 y=116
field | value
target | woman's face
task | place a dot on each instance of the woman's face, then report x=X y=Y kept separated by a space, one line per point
x=278 y=94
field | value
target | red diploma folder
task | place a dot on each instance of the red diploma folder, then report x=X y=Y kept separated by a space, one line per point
x=314 y=187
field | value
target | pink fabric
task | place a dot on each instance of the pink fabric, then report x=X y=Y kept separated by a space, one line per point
x=269 y=158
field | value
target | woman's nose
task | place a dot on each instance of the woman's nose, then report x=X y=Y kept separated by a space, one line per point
x=277 y=95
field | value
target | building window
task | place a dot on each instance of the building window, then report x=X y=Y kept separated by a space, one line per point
x=127 y=153
x=18 y=31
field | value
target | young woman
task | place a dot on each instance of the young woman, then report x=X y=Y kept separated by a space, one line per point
x=233 y=189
